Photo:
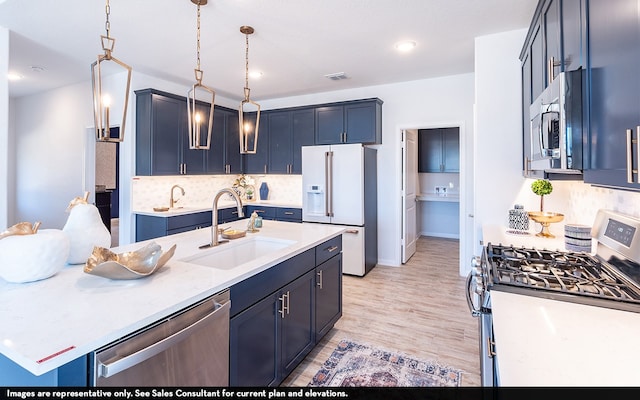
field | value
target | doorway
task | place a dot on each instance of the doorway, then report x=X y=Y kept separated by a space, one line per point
x=436 y=169
x=102 y=179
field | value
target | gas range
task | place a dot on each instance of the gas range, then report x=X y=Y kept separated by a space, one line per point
x=569 y=276
x=525 y=293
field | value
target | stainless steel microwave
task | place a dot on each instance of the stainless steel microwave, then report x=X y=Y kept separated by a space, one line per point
x=555 y=137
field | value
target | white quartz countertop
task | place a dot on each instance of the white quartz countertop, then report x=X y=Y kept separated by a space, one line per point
x=221 y=204
x=497 y=234
x=47 y=323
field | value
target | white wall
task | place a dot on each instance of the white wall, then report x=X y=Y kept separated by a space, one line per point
x=4 y=127
x=415 y=104
x=498 y=130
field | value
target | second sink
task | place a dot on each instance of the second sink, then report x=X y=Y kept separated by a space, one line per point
x=231 y=255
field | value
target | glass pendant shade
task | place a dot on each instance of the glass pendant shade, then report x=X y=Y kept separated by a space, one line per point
x=200 y=124
x=111 y=82
x=248 y=124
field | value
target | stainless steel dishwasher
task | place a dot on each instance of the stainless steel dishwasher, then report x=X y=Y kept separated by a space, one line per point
x=189 y=348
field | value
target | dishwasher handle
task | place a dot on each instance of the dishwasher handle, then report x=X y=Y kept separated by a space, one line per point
x=109 y=369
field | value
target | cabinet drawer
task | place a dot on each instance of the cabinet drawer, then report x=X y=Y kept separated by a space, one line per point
x=289 y=214
x=328 y=249
x=264 y=212
x=181 y=221
x=227 y=214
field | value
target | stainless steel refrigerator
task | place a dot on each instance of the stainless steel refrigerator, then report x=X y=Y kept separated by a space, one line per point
x=339 y=187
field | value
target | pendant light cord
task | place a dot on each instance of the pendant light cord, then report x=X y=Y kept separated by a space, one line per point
x=198 y=40
x=107 y=24
x=246 y=65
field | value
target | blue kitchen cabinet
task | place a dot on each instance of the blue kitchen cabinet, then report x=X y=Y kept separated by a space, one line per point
x=555 y=43
x=328 y=295
x=439 y=150
x=280 y=142
x=358 y=121
x=162 y=142
x=287 y=214
x=614 y=98
x=303 y=132
x=274 y=315
x=151 y=226
x=258 y=163
x=224 y=155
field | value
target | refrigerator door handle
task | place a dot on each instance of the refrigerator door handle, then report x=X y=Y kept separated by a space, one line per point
x=328 y=176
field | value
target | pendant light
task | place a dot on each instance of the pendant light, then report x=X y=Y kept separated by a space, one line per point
x=249 y=112
x=196 y=119
x=114 y=96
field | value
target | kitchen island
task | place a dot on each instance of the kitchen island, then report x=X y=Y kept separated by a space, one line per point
x=50 y=323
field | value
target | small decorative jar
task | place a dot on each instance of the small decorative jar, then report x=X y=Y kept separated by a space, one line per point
x=518 y=218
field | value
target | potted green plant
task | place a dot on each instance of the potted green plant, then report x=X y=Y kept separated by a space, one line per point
x=541 y=187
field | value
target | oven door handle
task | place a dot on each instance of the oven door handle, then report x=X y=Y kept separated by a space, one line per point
x=552 y=108
x=474 y=311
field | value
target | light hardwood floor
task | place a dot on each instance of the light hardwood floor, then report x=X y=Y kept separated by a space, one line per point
x=418 y=309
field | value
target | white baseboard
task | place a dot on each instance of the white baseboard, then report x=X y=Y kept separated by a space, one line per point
x=441 y=235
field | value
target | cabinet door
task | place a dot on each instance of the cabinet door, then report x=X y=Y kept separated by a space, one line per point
x=430 y=150
x=280 y=142
x=297 y=302
x=194 y=160
x=329 y=125
x=551 y=21
x=254 y=344
x=614 y=52
x=258 y=163
x=328 y=295
x=216 y=153
x=360 y=123
x=573 y=30
x=538 y=64
x=168 y=123
x=303 y=124
x=451 y=149
x=233 y=158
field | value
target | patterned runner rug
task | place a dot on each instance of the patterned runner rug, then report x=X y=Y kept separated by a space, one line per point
x=356 y=365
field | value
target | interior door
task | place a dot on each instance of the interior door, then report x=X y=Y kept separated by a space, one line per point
x=409 y=192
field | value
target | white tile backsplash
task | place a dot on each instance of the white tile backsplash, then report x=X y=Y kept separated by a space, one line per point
x=153 y=191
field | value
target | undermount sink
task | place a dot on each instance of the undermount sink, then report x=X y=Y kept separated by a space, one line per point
x=232 y=254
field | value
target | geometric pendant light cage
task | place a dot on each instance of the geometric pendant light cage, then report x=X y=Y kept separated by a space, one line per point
x=249 y=111
x=199 y=138
x=110 y=96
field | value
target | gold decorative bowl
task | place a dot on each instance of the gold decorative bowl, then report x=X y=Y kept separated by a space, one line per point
x=233 y=234
x=131 y=265
x=545 y=219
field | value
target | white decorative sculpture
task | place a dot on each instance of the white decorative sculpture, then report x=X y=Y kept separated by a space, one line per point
x=28 y=255
x=85 y=230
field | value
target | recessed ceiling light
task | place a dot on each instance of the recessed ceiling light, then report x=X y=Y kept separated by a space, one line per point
x=336 y=76
x=37 y=68
x=405 y=46
x=256 y=74
x=13 y=76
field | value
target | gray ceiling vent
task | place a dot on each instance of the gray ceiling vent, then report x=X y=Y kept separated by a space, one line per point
x=336 y=76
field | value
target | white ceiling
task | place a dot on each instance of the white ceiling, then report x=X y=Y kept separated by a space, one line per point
x=296 y=42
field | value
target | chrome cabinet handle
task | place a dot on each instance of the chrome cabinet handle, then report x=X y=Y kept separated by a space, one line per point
x=319 y=279
x=112 y=368
x=332 y=249
x=288 y=213
x=353 y=231
x=284 y=308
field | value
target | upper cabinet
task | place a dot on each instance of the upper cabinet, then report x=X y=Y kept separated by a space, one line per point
x=224 y=155
x=162 y=142
x=438 y=150
x=614 y=57
x=357 y=121
x=258 y=163
x=555 y=43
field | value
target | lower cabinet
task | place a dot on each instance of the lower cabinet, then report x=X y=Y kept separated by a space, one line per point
x=271 y=335
x=150 y=226
x=287 y=214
